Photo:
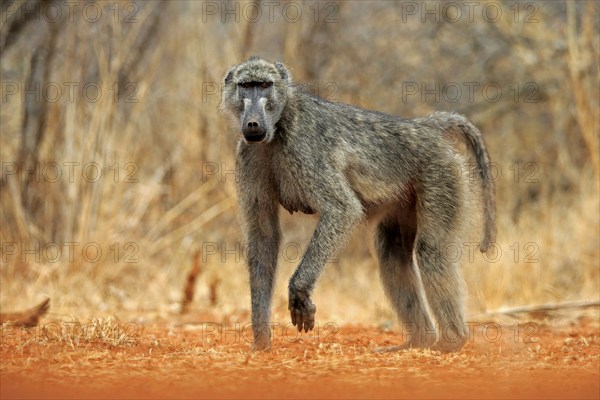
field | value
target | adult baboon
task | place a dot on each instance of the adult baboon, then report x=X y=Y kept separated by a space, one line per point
x=345 y=163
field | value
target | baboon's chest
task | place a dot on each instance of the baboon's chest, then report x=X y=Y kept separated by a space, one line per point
x=293 y=193
x=292 y=197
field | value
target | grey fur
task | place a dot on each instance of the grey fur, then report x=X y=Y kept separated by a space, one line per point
x=345 y=164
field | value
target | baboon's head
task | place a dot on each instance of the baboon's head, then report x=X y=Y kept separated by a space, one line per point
x=256 y=93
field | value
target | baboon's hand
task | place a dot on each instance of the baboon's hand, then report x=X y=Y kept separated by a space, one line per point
x=302 y=310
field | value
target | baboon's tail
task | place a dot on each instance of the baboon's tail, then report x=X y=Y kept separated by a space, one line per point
x=460 y=124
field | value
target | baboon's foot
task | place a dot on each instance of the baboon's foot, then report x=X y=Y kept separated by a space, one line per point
x=262 y=338
x=261 y=345
x=449 y=346
x=302 y=310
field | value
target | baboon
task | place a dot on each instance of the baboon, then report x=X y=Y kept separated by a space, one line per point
x=347 y=164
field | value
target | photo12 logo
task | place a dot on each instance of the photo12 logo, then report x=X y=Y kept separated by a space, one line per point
x=210 y=332
x=69 y=92
x=469 y=92
x=70 y=172
x=270 y=11
x=237 y=252
x=489 y=332
x=71 y=11
x=100 y=330
x=521 y=172
x=453 y=12
x=52 y=252
x=327 y=90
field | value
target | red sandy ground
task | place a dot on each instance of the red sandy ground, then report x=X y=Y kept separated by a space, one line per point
x=163 y=361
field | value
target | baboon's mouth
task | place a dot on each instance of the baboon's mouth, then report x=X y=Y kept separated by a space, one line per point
x=253 y=138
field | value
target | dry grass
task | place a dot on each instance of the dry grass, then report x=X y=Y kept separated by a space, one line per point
x=546 y=151
x=100 y=332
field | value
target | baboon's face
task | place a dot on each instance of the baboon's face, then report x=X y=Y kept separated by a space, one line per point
x=254 y=119
x=256 y=92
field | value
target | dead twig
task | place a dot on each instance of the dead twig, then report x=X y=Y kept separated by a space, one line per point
x=544 y=309
x=27 y=318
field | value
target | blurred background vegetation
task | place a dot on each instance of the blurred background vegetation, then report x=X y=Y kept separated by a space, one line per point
x=130 y=90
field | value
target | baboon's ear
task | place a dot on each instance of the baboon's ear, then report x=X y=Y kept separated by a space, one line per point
x=229 y=75
x=284 y=72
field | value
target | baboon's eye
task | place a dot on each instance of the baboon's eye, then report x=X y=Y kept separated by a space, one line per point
x=262 y=85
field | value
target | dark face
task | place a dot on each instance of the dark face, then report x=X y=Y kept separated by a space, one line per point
x=255 y=93
x=255 y=121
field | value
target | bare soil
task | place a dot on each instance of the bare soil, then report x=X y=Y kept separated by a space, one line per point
x=110 y=359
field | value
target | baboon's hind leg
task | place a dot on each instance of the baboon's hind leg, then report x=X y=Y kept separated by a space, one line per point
x=444 y=288
x=439 y=212
x=394 y=240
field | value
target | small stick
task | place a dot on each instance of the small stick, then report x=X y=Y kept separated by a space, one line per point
x=544 y=308
x=190 y=283
x=27 y=318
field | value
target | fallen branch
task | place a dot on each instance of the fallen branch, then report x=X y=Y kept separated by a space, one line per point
x=544 y=308
x=26 y=318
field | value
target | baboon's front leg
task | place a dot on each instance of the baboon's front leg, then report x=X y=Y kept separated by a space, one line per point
x=262 y=264
x=261 y=226
x=260 y=223
x=330 y=234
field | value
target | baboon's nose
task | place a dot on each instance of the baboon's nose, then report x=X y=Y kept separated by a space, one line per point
x=253 y=132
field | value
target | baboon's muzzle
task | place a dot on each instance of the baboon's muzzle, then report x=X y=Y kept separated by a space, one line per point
x=254 y=118
x=253 y=131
